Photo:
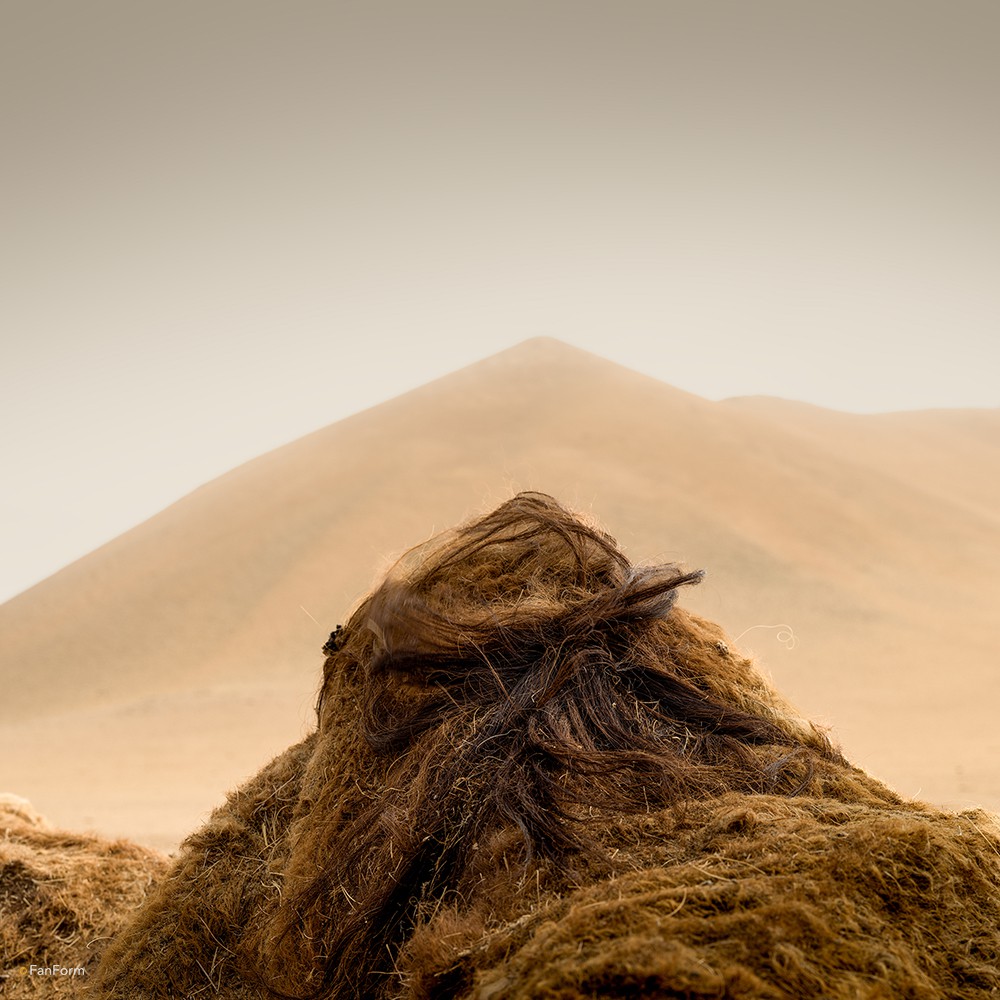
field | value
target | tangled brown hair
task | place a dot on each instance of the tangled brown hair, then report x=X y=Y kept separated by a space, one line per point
x=516 y=675
x=534 y=775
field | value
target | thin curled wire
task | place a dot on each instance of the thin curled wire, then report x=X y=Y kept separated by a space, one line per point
x=786 y=636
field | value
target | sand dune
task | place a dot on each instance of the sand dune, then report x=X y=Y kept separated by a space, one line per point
x=145 y=679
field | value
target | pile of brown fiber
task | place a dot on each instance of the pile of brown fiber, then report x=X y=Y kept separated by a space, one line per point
x=759 y=897
x=62 y=898
x=533 y=776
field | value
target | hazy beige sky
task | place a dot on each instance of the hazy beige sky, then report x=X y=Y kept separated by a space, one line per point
x=228 y=223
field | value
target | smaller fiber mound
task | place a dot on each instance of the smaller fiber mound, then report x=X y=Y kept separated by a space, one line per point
x=748 y=897
x=62 y=897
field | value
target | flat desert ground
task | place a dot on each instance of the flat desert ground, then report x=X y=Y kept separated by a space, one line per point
x=857 y=558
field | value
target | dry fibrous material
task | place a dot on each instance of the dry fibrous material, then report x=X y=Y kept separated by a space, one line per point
x=760 y=897
x=62 y=898
x=534 y=776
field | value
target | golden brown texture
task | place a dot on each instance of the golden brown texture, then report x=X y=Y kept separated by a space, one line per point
x=62 y=898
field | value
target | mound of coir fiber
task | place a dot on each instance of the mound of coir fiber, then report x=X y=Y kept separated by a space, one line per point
x=62 y=897
x=533 y=776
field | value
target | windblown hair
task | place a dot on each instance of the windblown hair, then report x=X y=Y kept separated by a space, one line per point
x=534 y=775
x=520 y=674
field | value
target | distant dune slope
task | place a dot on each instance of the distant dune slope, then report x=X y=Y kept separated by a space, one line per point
x=193 y=639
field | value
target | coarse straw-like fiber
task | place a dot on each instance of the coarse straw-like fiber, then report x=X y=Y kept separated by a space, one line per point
x=62 y=898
